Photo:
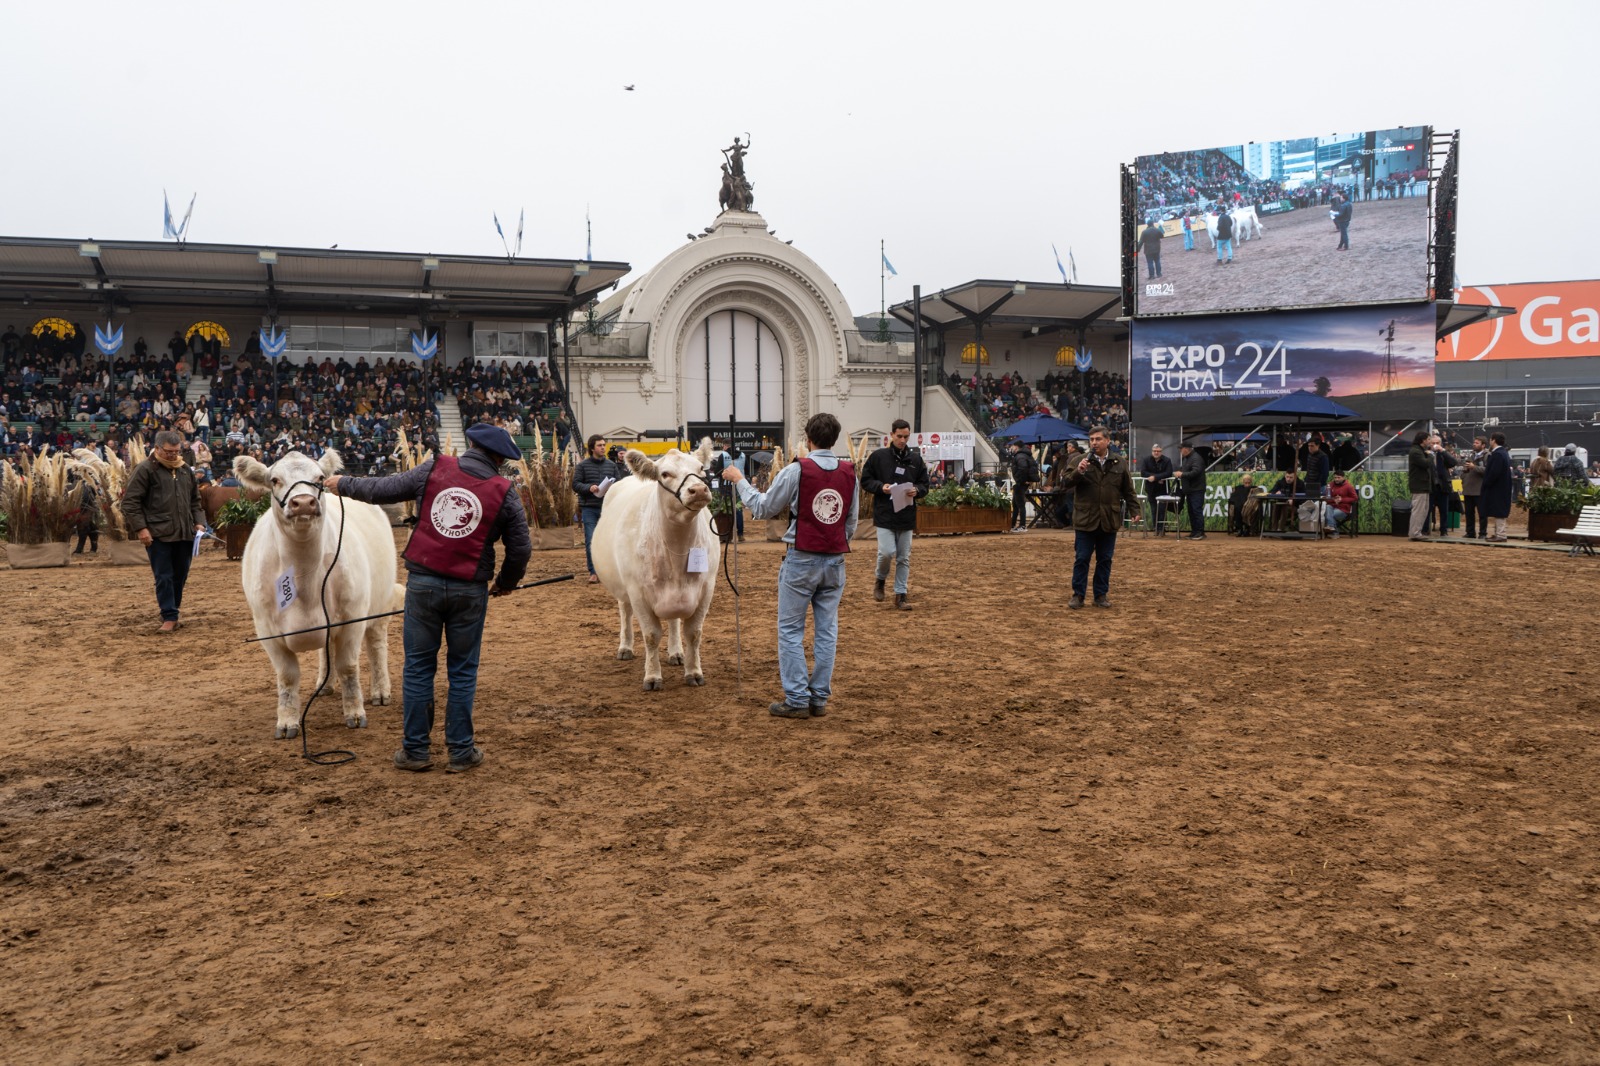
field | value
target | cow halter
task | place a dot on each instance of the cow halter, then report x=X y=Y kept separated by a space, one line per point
x=283 y=501
x=678 y=492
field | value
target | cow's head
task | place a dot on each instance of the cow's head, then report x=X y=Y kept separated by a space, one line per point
x=681 y=474
x=294 y=482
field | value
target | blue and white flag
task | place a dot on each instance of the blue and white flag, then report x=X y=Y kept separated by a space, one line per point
x=1074 y=263
x=520 y=216
x=425 y=346
x=108 y=340
x=274 y=343
x=1058 y=263
x=1083 y=360
x=496 y=216
x=167 y=228
x=889 y=266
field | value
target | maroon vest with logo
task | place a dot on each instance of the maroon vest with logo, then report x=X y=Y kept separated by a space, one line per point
x=456 y=518
x=822 y=508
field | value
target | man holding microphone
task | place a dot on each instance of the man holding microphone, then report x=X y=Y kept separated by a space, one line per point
x=1101 y=487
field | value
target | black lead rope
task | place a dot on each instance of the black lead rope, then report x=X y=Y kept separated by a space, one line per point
x=324 y=758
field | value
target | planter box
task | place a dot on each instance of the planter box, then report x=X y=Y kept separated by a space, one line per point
x=234 y=538
x=932 y=521
x=124 y=553
x=1543 y=526
x=35 y=556
x=552 y=539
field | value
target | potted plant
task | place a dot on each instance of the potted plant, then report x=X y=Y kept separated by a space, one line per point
x=544 y=480
x=236 y=519
x=971 y=508
x=1553 y=507
x=41 y=509
x=723 y=506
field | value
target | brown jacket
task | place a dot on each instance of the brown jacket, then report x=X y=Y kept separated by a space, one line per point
x=1099 y=493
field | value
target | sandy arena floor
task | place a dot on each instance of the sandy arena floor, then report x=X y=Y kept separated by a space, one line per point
x=1286 y=802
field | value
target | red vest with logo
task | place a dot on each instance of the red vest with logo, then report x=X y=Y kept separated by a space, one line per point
x=823 y=507
x=455 y=520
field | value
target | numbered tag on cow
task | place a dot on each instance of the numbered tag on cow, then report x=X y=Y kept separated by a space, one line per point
x=697 y=560
x=285 y=589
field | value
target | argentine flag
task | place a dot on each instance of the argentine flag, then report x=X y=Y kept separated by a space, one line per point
x=889 y=266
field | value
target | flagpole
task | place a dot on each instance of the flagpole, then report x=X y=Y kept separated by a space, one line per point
x=883 y=259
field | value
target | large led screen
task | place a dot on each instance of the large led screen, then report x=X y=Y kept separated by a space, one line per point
x=1212 y=370
x=1312 y=222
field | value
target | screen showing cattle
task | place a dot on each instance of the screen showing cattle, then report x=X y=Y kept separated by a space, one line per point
x=1313 y=222
x=1215 y=369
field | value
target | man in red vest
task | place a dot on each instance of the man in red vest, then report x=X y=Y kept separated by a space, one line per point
x=463 y=507
x=820 y=493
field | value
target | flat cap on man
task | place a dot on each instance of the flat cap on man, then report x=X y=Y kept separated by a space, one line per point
x=494 y=440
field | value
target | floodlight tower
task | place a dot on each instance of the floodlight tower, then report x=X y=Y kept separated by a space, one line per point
x=1387 y=379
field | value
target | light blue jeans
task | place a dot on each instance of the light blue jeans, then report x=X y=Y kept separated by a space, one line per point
x=1224 y=244
x=808 y=579
x=895 y=544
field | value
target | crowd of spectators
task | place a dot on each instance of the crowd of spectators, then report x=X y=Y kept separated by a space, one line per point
x=1095 y=397
x=1171 y=182
x=519 y=396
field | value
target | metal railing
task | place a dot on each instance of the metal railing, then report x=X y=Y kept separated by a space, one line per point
x=1463 y=407
x=878 y=348
x=608 y=340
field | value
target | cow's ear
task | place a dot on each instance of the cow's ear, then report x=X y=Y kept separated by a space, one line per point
x=705 y=451
x=249 y=470
x=641 y=465
x=331 y=463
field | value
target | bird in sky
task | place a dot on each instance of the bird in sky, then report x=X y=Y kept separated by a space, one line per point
x=627 y=88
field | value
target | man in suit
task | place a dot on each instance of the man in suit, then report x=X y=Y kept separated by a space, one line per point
x=1496 y=498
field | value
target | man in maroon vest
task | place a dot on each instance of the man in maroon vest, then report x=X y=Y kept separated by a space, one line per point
x=820 y=493
x=463 y=507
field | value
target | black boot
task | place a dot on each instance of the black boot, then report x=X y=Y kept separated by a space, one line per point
x=900 y=603
x=877 y=589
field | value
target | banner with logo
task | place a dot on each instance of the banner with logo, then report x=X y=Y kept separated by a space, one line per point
x=1554 y=320
x=944 y=446
x=1211 y=370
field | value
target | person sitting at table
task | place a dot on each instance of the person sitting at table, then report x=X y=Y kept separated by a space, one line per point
x=1341 y=502
x=1288 y=487
x=1236 y=507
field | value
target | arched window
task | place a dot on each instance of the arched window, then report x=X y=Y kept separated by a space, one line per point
x=57 y=327
x=210 y=331
x=733 y=371
x=972 y=353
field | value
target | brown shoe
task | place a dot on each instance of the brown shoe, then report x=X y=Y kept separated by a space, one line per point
x=168 y=627
x=900 y=603
x=877 y=589
x=1075 y=603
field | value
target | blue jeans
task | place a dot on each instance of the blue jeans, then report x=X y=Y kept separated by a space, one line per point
x=1197 y=510
x=591 y=518
x=1224 y=244
x=895 y=544
x=1188 y=240
x=169 y=561
x=1344 y=235
x=1100 y=543
x=808 y=579
x=441 y=609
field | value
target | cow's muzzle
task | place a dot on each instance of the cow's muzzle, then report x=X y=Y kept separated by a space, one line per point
x=303 y=504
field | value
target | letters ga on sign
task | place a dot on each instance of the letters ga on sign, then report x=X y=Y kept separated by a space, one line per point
x=1554 y=320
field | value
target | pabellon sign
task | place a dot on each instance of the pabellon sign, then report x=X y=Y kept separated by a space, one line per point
x=1554 y=320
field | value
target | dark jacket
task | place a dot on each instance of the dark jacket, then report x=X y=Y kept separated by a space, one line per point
x=1342 y=213
x=592 y=471
x=166 y=502
x=1316 y=472
x=1192 y=473
x=1099 y=494
x=889 y=467
x=1224 y=226
x=1495 y=499
x=1024 y=467
x=510 y=525
x=1150 y=240
x=1419 y=470
x=1570 y=468
x=1155 y=473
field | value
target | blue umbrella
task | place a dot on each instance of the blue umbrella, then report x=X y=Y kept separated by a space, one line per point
x=1041 y=429
x=1303 y=404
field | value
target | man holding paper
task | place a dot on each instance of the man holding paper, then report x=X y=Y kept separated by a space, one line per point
x=593 y=476
x=895 y=477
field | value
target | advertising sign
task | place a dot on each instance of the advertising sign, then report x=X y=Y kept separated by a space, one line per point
x=1310 y=222
x=942 y=445
x=1376 y=489
x=1211 y=370
x=1554 y=320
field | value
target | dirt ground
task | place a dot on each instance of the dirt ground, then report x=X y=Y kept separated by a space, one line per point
x=1295 y=262
x=1285 y=802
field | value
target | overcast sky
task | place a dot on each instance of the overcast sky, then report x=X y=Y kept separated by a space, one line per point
x=968 y=137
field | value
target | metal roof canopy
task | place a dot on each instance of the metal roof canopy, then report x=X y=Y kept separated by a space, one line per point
x=144 y=274
x=1045 y=304
x=1453 y=316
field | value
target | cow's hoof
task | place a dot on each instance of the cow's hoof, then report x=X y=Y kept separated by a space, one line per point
x=286 y=731
x=653 y=684
x=381 y=701
x=356 y=721
x=675 y=659
x=694 y=679
x=624 y=653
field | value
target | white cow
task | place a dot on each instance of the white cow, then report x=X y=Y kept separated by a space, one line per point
x=1246 y=225
x=650 y=527
x=285 y=562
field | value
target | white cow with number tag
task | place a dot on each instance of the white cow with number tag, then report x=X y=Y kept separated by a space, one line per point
x=655 y=551
x=285 y=561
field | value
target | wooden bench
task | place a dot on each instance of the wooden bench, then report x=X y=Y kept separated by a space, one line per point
x=1584 y=530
